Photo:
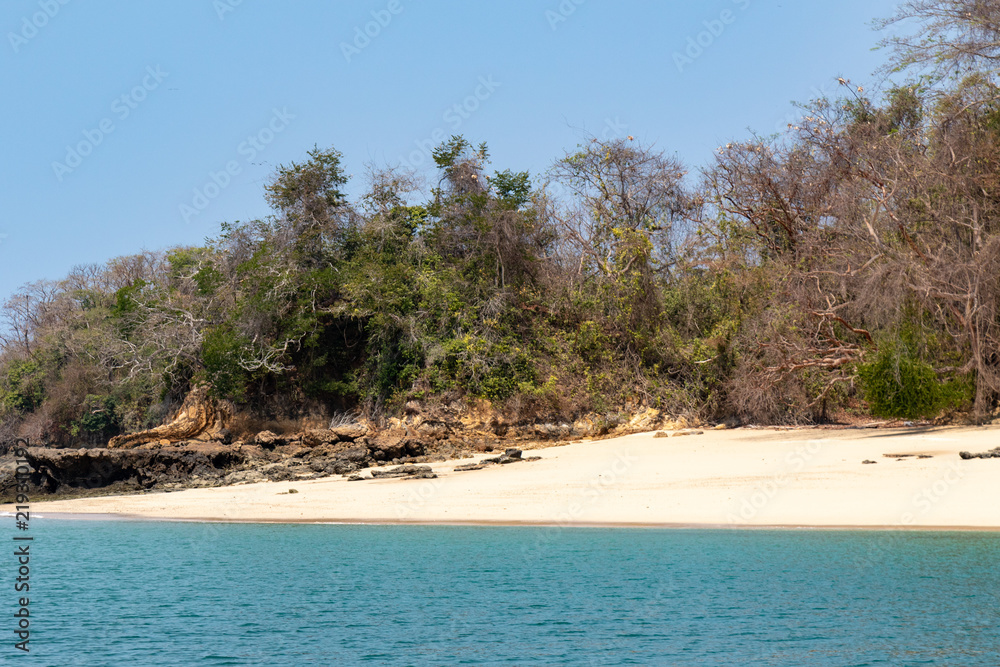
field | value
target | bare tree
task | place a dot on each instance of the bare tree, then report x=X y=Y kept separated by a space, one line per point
x=952 y=39
x=621 y=193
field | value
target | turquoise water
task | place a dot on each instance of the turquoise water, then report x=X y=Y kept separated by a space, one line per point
x=131 y=593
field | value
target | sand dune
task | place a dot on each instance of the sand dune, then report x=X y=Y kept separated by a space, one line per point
x=807 y=477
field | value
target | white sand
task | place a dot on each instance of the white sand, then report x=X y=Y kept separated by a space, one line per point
x=720 y=478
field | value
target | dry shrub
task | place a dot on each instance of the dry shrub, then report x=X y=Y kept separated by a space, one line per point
x=756 y=397
x=558 y=404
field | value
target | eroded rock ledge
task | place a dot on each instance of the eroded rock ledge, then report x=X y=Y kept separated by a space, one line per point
x=196 y=449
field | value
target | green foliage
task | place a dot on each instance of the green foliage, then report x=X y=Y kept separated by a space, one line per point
x=221 y=352
x=898 y=384
x=592 y=344
x=512 y=189
x=391 y=368
x=126 y=304
x=22 y=386
x=99 y=416
x=447 y=155
x=311 y=186
x=494 y=371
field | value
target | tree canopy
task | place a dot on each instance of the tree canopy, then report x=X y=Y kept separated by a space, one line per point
x=848 y=266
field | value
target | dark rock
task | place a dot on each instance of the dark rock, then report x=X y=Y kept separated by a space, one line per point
x=63 y=470
x=510 y=456
x=469 y=466
x=293 y=450
x=332 y=466
x=992 y=454
x=355 y=454
x=867 y=462
x=389 y=447
x=419 y=472
x=277 y=472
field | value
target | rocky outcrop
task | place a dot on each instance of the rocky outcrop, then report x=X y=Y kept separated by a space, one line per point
x=194 y=449
x=200 y=418
x=267 y=457
x=83 y=469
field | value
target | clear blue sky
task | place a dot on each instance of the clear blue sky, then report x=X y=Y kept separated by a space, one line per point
x=161 y=95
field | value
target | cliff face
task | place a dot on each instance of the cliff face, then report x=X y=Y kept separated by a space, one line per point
x=200 y=417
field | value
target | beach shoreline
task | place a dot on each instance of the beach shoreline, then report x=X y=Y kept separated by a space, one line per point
x=83 y=516
x=804 y=479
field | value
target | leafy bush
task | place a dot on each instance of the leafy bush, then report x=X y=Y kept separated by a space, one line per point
x=22 y=390
x=98 y=417
x=896 y=383
x=221 y=352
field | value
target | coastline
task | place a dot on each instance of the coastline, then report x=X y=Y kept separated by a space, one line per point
x=83 y=516
x=804 y=479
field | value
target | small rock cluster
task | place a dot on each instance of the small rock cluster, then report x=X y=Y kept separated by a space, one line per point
x=677 y=433
x=510 y=456
x=992 y=454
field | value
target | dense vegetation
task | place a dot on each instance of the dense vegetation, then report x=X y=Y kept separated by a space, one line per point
x=851 y=263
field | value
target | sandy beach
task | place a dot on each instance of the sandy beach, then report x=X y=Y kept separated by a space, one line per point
x=734 y=478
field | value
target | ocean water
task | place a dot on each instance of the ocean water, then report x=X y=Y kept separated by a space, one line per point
x=146 y=593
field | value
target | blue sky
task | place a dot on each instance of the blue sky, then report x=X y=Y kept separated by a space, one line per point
x=142 y=125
